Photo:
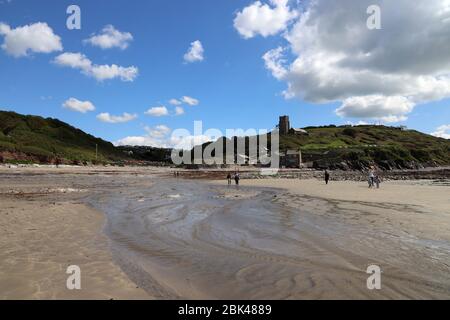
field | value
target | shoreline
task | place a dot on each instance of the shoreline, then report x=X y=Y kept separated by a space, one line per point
x=430 y=173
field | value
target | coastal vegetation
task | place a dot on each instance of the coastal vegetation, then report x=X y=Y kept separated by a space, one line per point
x=33 y=139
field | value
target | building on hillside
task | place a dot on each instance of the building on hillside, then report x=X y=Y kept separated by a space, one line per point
x=284 y=126
x=298 y=131
x=291 y=159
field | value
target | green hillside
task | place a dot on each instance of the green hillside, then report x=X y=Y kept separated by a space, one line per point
x=361 y=146
x=35 y=139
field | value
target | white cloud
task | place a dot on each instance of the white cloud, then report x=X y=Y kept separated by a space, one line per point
x=175 y=102
x=187 y=142
x=109 y=38
x=99 y=72
x=179 y=111
x=74 y=60
x=106 y=72
x=163 y=137
x=374 y=74
x=79 y=106
x=125 y=117
x=274 y=62
x=359 y=123
x=195 y=52
x=37 y=38
x=386 y=109
x=157 y=111
x=442 y=132
x=158 y=131
x=263 y=19
x=155 y=137
x=190 y=101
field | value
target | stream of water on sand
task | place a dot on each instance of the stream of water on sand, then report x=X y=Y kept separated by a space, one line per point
x=186 y=239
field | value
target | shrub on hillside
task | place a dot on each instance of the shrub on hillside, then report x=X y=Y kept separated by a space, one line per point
x=350 y=132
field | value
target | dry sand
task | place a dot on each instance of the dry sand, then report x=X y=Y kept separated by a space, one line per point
x=423 y=193
x=419 y=205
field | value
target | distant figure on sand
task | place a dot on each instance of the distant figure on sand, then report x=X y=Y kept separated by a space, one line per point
x=371 y=177
x=237 y=178
x=229 y=178
x=377 y=181
x=327 y=176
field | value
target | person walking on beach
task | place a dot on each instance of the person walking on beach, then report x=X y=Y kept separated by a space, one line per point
x=237 y=178
x=327 y=176
x=371 y=177
x=229 y=178
x=377 y=181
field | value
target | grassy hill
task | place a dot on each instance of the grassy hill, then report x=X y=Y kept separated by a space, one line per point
x=27 y=139
x=33 y=139
x=360 y=147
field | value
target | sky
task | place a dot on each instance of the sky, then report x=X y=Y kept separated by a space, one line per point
x=138 y=70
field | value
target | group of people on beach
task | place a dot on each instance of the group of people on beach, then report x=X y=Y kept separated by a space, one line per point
x=236 y=178
x=374 y=179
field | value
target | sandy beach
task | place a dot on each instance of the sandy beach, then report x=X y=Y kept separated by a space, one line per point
x=44 y=228
x=141 y=234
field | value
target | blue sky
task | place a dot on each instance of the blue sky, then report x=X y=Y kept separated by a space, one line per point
x=232 y=83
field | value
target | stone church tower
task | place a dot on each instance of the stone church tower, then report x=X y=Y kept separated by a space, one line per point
x=284 y=126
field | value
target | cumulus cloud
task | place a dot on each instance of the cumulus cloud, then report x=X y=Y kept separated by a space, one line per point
x=386 y=109
x=163 y=137
x=442 y=131
x=184 y=100
x=109 y=38
x=78 y=106
x=157 y=111
x=125 y=117
x=374 y=74
x=195 y=52
x=175 y=102
x=99 y=72
x=179 y=111
x=187 y=142
x=264 y=19
x=190 y=101
x=359 y=123
x=155 y=137
x=33 y=38
x=274 y=62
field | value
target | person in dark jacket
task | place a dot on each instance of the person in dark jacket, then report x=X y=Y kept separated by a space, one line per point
x=327 y=176
x=237 y=178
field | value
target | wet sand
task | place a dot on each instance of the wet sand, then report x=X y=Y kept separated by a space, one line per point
x=197 y=240
x=176 y=238
x=44 y=228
